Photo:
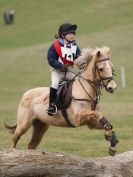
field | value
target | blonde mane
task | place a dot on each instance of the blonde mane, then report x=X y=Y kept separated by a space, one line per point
x=85 y=57
x=89 y=54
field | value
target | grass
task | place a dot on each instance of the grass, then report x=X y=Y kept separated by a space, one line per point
x=23 y=65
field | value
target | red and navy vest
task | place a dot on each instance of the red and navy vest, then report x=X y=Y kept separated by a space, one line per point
x=66 y=53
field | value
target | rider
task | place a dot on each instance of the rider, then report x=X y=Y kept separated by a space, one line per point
x=61 y=56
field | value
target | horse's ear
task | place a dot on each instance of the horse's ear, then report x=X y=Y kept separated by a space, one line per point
x=98 y=54
x=109 y=51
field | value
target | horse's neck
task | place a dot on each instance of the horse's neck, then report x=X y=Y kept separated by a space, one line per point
x=89 y=72
x=83 y=82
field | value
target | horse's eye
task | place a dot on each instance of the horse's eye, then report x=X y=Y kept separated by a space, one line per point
x=100 y=69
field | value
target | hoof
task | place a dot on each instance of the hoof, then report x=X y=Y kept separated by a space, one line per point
x=112 y=151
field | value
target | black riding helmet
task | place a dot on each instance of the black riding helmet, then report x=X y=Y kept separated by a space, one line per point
x=67 y=28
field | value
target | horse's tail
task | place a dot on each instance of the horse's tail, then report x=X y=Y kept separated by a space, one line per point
x=11 y=128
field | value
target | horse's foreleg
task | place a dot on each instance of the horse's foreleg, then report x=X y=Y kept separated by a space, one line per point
x=91 y=120
x=96 y=120
x=109 y=135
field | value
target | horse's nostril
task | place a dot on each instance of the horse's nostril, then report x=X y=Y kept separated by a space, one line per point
x=110 y=89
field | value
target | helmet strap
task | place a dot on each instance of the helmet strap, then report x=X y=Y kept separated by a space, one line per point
x=63 y=36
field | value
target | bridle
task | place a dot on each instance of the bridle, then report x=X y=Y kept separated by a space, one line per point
x=102 y=79
x=97 y=85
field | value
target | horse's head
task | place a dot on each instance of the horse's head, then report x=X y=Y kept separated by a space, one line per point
x=104 y=69
x=96 y=66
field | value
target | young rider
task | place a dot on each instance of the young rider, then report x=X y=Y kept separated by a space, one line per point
x=61 y=56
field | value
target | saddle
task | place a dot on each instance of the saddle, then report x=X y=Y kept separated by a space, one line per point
x=64 y=98
x=64 y=94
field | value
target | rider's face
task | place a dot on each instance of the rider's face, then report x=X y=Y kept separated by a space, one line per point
x=69 y=37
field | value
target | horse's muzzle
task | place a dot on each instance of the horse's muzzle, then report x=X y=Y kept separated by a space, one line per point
x=111 y=87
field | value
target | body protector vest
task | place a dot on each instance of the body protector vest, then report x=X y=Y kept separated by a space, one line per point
x=67 y=53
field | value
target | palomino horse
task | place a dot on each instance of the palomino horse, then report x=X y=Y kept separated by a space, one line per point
x=96 y=73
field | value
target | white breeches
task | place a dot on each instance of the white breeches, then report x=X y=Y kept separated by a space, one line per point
x=56 y=76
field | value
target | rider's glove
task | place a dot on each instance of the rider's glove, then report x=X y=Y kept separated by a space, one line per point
x=64 y=68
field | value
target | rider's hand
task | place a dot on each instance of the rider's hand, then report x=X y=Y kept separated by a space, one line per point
x=64 y=68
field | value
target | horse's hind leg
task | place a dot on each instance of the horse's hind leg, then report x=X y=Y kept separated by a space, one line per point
x=39 y=128
x=20 y=130
x=24 y=119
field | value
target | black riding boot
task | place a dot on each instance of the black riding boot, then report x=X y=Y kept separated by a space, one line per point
x=52 y=110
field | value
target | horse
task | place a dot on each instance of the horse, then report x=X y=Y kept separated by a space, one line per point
x=96 y=72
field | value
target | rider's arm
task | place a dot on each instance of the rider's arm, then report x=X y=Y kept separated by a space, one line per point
x=52 y=57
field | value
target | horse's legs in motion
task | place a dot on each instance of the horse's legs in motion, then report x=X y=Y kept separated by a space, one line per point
x=109 y=135
x=98 y=121
x=39 y=128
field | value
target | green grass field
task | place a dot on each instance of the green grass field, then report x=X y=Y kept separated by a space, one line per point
x=23 y=65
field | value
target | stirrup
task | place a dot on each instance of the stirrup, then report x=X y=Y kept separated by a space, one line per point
x=52 y=110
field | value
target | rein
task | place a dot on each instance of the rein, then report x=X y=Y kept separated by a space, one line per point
x=96 y=85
